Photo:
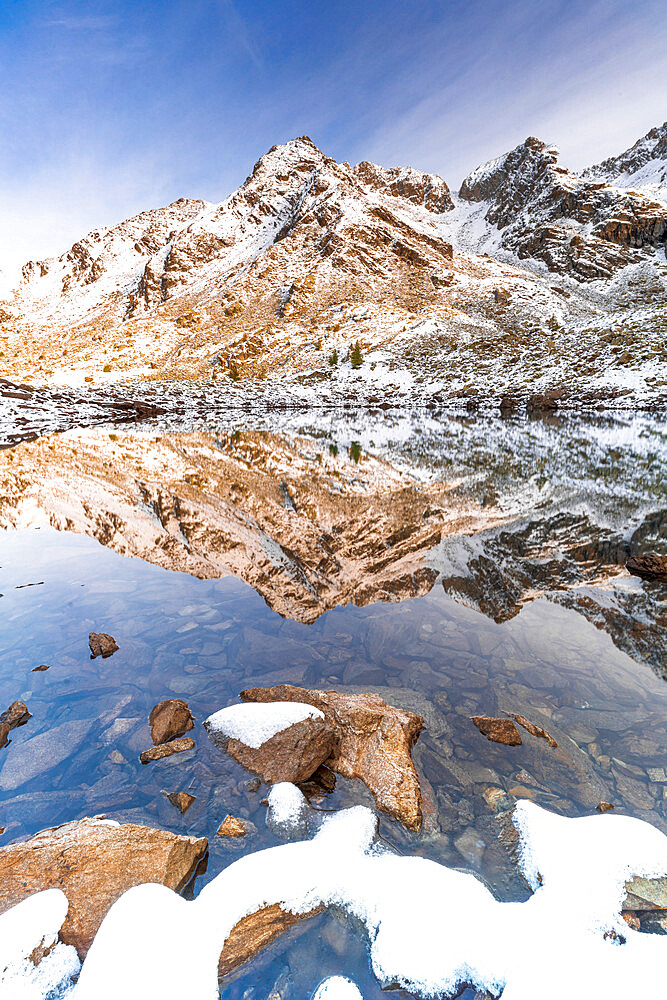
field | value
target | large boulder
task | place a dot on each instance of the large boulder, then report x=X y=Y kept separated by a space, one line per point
x=373 y=742
x=278 y=742
x=94 y=861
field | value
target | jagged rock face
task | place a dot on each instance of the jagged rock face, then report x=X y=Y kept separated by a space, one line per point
x=325 y=210
x=544 y=211
x=642 y=167
x=419 y=188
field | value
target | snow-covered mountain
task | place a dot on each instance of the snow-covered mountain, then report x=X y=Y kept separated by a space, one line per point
x=529 y=279
x=642 y=167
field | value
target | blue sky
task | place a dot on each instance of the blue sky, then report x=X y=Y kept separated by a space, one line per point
x=107 y=108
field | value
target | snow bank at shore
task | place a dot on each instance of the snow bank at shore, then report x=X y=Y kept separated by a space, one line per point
x=430 y=928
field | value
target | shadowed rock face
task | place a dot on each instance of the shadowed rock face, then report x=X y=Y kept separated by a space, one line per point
x=583 y=227
x=94 y=862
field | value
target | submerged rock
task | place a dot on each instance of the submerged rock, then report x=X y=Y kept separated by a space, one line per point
x=649 y=567
x=101 y=644
x=16 y=715
x=373 y=742
x=231 y=827
x=167 y=749
x=498 y=730
x=181 y=800
x=94 y=861
x=254 y=932
x=169 y=719
x=533 y=729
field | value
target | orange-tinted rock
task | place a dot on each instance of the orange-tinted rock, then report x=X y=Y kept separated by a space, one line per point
x=169 y=719
x=4 y=734
x=533 y=729
x=101 y=644
x=167 y=749
x=181 y=800
x=373 y=743
x=231 y=827
x=41 y=668
x=254 y=932
x=604 y=807
x=293 y=754
x=16 y=715
x=94 y=862
x=498 y=730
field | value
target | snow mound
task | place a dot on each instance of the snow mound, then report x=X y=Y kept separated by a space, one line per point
x=337 y=988
x=430 y=929
x=256 y=723
x=288 y=812
x=33 y=925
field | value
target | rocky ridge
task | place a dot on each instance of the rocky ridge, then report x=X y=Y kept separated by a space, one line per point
x=531 y=277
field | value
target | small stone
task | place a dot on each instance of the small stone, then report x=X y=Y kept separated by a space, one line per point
x=167 y=749
x=253 y=785
x=181 y=800
x=498 y=730
x=101 y=644
x=42 y=666
x=169 y=719
x=16 y=715
x=604 y=807
x=116 y=757
x=657 y=773
x=231 y=827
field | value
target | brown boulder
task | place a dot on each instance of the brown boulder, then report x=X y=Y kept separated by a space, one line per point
x=94 y=862
x=16 y=715
x=498 y=730
x=4 y=734
x=101 y=644
x=40 y=668
x=373 y=741
x=649 y=567
x=169 y=719
x=167 y=749
x=293 y=754
x=604 y=807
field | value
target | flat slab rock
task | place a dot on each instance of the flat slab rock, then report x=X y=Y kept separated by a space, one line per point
x=94 y=861
x=498 y=730
x=372 y=742
x=649 y=567
x=167 y=749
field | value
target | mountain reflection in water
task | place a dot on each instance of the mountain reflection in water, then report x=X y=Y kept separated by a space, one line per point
x=320 y=511
x=456 y=567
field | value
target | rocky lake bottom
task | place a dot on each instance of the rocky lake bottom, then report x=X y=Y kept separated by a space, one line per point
x=458 y=568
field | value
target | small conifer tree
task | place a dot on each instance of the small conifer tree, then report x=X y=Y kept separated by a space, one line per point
x=356 y=357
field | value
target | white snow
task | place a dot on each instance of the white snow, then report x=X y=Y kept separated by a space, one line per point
x=430 y=928
x=288 y=811
x=30 y=924
x=337 y=988
x=254 y=724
